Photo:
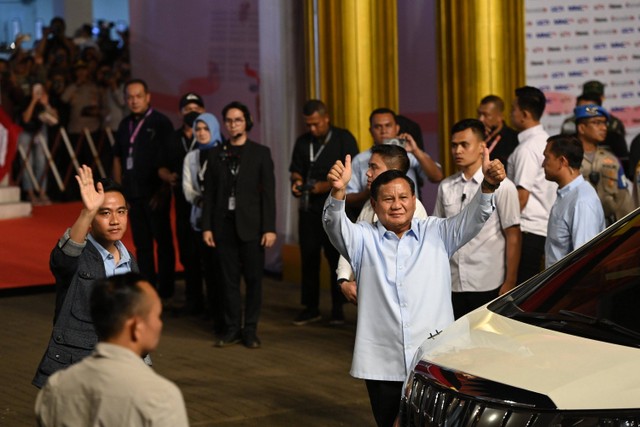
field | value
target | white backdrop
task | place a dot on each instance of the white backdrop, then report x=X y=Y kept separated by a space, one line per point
x=571 y=42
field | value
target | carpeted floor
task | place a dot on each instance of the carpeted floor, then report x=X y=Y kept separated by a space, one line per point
x=27 y=242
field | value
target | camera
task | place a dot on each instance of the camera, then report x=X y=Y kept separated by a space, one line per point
x=395 y=141
x=305 y=189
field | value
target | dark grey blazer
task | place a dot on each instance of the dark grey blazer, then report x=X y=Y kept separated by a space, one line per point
x=73 y=337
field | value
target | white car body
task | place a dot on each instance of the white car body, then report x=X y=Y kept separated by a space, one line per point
x=562 y=349
x=575 y=372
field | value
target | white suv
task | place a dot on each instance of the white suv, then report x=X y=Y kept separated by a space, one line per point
x=562 y=349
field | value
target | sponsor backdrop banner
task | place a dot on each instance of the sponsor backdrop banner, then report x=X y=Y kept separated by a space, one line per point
x=571 y=42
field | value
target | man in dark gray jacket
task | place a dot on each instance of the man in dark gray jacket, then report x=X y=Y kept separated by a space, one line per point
x=91 y=249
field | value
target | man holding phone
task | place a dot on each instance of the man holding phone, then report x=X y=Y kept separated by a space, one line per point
x=384 y=129
x=498 y=136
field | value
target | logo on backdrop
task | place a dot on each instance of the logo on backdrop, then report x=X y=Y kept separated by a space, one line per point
x=604 y=47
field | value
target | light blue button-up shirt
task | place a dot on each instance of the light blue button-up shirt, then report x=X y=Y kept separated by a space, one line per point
x=110 y=267
x=404 y=284
x=575 y=218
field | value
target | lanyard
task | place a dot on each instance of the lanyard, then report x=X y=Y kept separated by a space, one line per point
x=235 y=169
x=133 y=136
x=202 y=169
x=184 y=144
x=312 y=158
x=232 y=159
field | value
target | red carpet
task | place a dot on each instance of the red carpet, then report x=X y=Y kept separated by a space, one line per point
x=27 y=242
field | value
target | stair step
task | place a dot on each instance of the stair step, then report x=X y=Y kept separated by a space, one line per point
x=9 y=194
x=15 y=210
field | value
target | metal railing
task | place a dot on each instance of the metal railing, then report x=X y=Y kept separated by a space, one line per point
x=63 y=142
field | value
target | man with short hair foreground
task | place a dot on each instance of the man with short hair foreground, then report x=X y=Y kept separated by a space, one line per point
x=113 y=386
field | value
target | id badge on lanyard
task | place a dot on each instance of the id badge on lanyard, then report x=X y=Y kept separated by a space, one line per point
x=132 y=139
x=232 y=198
x=312 y=157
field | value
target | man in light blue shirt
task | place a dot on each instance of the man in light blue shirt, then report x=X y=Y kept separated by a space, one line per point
x=576 y=216
x=402 y=266
x=384 y=129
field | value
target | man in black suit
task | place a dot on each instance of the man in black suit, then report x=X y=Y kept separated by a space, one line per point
x=239 y=219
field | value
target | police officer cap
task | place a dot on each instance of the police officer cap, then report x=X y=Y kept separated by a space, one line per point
x=588 y=111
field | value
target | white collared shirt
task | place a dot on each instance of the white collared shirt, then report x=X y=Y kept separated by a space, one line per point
x=525 y=170
x=480 y=265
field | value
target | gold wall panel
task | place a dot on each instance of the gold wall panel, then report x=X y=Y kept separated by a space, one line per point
x=480 y=52
x=357 y=60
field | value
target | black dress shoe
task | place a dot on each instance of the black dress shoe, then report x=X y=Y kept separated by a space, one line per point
x=251 y=341
x=228 y=339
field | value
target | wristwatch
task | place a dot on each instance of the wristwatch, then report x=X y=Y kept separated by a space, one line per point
x=488 y=186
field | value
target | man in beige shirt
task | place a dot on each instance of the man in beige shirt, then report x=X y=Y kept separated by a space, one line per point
x=113 y=386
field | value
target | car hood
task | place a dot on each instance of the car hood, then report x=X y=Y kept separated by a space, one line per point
x=574 y=372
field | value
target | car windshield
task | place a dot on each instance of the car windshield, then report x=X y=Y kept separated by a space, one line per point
x=594 y=292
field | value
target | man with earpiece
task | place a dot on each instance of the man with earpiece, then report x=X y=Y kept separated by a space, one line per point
x=239 y=219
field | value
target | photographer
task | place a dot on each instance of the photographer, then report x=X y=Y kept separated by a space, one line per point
x=53 y=41
x=384 y=129
x=314 y=154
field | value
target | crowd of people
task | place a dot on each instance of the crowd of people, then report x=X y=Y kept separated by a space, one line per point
x=73 y=83
x=519 y=202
